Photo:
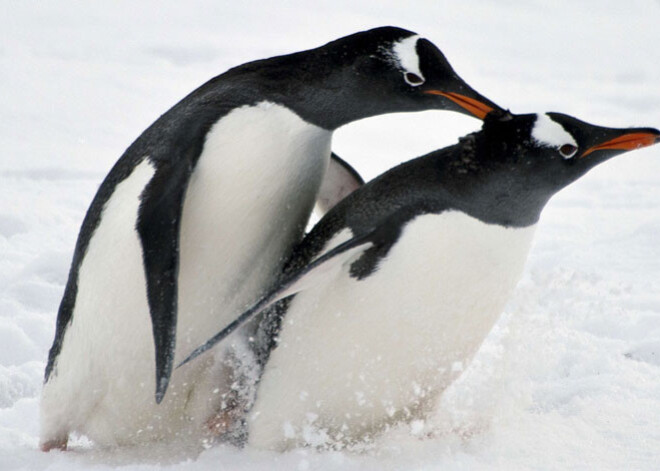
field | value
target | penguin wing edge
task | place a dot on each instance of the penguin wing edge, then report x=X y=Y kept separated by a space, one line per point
x=158 y=226
x=314 y=274
x=339 y=181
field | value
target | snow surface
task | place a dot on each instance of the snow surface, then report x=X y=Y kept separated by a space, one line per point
x=569 y=377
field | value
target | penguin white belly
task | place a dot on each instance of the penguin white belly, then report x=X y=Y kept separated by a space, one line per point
x=108 y=346
x=357 y=355
x=247 y=203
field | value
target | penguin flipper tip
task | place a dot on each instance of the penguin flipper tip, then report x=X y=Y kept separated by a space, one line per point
x=162 y=381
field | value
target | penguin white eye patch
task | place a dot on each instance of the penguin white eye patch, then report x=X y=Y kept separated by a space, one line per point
x=405 y=55
x=549 y=133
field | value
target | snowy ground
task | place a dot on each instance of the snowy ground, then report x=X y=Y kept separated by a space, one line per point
x=569 y=378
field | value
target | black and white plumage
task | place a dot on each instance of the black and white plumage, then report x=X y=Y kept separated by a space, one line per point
x=196 y=218
x=388 y=298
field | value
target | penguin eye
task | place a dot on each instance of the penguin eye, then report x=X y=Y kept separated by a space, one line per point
x=413 y=79
x=568 y=150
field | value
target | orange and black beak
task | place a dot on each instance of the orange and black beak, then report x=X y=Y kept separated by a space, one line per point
x=629 y=139
x=477 y=106
x=444 y=86
x=598 y=143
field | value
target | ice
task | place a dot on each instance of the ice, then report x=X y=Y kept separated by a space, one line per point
x=568 y=379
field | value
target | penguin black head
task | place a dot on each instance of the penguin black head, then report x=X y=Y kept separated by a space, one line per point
x=372 y=72
x=516 y=163
x=556 y=147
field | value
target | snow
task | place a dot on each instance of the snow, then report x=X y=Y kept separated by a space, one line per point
x=570 y=376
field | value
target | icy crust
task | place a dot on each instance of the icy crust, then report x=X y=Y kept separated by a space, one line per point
x=549 y=133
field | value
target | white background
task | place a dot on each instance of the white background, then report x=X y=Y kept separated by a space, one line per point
x=569 y=378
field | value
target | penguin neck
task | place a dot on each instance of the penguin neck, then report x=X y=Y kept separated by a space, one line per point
x=454 y=179
x=317 y=86
x=487 y=189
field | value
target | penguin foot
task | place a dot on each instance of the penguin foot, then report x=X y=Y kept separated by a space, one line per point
x=226 y=427
x=219 y=424
x=56 y=444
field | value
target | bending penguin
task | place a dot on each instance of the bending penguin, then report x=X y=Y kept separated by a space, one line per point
x=195 y=220
x=394 y=290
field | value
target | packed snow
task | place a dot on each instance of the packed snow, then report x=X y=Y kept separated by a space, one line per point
x=570 y=376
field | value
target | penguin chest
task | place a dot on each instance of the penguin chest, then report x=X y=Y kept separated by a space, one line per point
x=247 y=203
x=355 y=355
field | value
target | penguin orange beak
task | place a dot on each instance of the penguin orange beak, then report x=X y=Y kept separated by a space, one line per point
x=477 y=108
x=629 y=141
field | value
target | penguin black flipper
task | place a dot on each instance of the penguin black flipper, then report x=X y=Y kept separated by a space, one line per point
x=158 y=225
x=339 y=181
x=311 y=275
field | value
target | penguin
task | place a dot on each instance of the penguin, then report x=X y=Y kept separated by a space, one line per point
x=387 y=299
x=195 y=220
x=339 y=181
